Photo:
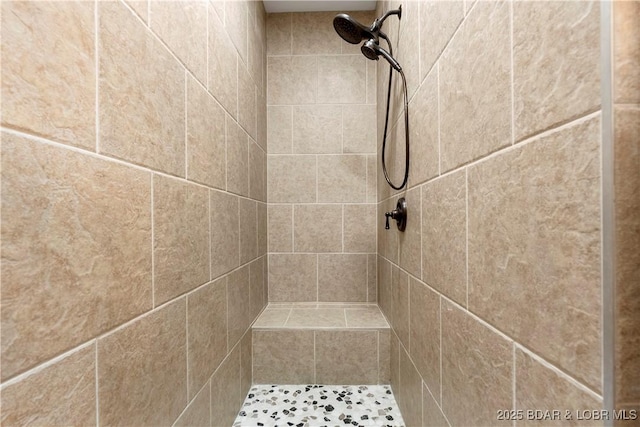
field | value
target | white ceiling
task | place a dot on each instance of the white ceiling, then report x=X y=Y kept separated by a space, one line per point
x=279 y=6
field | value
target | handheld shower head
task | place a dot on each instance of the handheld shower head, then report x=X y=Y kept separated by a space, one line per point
x=372 y=50
x=351 y=30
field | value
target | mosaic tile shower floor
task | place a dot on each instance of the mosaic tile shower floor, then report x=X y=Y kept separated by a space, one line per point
x=319 y=405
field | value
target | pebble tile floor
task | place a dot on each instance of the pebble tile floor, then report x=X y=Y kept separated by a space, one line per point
x=319 y=405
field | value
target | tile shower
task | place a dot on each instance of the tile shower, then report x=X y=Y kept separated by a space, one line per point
x=180 y=170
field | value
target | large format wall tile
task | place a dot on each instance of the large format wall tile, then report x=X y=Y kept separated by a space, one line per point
x=283 y=357
x=237 y=159
x=444 y=236
x=342 y=277
x=60 y=394
x=359 y=128
x=342 y=179
x=246 y=363
x=223 y=70
x=556 y=55
x=279 y=129
x=317 y=228
x=317 y=129
x=226 y=390
x=409 y=241
x=410 y=391
x=424 y=326
x=359 y=365
x=476 y=370
x=359 y=228
x=313 y=34
x=423 y=130
x=143 y=369
x=292 y=80
x=59 y=103
x=257 y=285
x=291 y=179
x=293 y=277
x=342 y=79
x=225 y=233
x=248 y=230
x=626 y=52
x=279 y=34
x=198 y=413
x=538 y=387
x=206 y=147
x=181 y=237
x=627 y=184
x=207 y=326
x=76 y=249
x=400 y=304
x=141 y=94
x=475 y=88
x=280 y=228
x=534 y=246
x=238 y=304
x=183 y=27
x=247 y=108
x=438 y=22
x=384 y=288
x=236 y=24
x=257 y=172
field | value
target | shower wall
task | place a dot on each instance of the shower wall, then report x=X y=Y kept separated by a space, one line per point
x=133 y=210
x=626 y=77
x=321 y=162
x=494 y=290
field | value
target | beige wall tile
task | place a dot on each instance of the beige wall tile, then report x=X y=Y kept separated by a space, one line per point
x=369 y=317
x=342 y=179
x=257 y=172
x=280 y=228
x=317 y=129
x=262 y=119
x=372 y=179
x=407 y=51
x=476 y=370
x=360 y=228
x=248 y=230
x=438 y=22
x=384 y=356
x=423 y=129
x=198 y=413
x=279 y=34
x=385 y=299
x=183 y=27
x=246 y=101
x=359 y=365
x=280 y=129
x=313 y=34
x=552 y=86
x=181 y=237
x=292 y=80
x=400 y=304
x=207 y=325
x=293 y=277
x=444 y=236
x=153 y=348
x=223 y=70
x=538 y=278
x=76 y=249
x=626 y=52
x=409 y=240
x=316 y=318
x=476 y=87
x=225 y=233
x=372 y=278
x=432 y=415
x=246 y=364
x=627 y=194
x=410 y=393
x=236 y=24
x=141 y=8
x=60 y=394
x=342 y=79
x=283 y=357
x=538 y=387
x=238 y=304
x=387 y=239
x=317 y=228
x=394 y=359
x=257 y=283
x=237 y=159
x=206 y=149
x=272 y=318
x=342 y=277
x=141 y=113
x=58 y=104
x=262 y=229
x=256 y=54
x=372 y=77
x=359 y=128
x=424 y=326
x=226 y=390
x=291 y=179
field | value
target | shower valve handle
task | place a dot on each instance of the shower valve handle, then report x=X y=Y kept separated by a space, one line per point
x=399 y=214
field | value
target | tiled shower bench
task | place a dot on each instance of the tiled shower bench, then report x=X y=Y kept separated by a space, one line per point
x=310 y=343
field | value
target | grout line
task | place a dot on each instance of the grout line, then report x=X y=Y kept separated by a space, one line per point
x=317 y=277
x=97 y=386
x=440 y=321
x=186 y=322
x=186 y=127
x=466 y=188
x=226 y=290
x=293 y=225
x=513 y=380
x=439 y=132
x=513 y=123
x=153 y=257
x=206 y=65
x=97 y=75
x=342 y=219
x=210 y=236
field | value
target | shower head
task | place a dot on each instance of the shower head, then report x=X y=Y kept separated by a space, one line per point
x=372 y=50
x=351 y=30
